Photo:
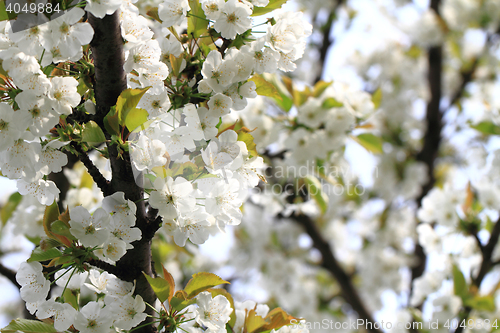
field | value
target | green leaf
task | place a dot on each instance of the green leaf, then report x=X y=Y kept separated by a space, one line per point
x=330 y=103
x=201 y=282
x=248 y=138
x=265 y=88
x=179 y=304
x=242 y=39
x=48 y=243
x=300 y=97
x=10 y=206
x=35 y=240
x=377 y=98
x=127 y=101
x=3 y=12
x=64 y=260
x=370 y=142
x=51 y=214
x=143 y=126
x=487 y=127
x=28 y=326
x=176 y=64
x=414 y=52
x=456 y=49
x=135 y=118
x=92 y=133
x=197 y=24
x=459 y=284
x=70 y=297
x=285 y=102
x=151 y=177
x=86 y=181
x=61 y=228
x=320 y=87
x=111 y=122
x=153 y=13
x=5 y=15
x=314 y=189
x=273 y=4
x=160 y=286
x=82 y=87
x=39 y=255
x=254 y=322
x=489 y=224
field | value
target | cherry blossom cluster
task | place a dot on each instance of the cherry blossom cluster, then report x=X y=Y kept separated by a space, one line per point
x=114 y=307
x=196 y=170
x=39 y=101
x=194 y=208
x=209 y=312
x=225 y=85
x=210 y=198
x=326 y=126
x=312 y=134
x=109 y=229
x=54 y=41
x=452 y=224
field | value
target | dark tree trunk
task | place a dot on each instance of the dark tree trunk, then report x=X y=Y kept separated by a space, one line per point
x=110 y=81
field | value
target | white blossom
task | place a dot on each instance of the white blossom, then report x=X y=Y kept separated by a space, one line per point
x=212 y=312
x=128 y=312
x=34 y=286
x=90 y=230
x=63 y=314
x=93 y=318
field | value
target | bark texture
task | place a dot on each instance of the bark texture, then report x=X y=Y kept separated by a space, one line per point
x=110 y=81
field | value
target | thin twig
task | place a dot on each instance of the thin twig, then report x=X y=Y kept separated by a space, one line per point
x=486 y=265
x=327 y=40
x=478 y=242
x=152 y=227
x=93 y=171
x=105 y=267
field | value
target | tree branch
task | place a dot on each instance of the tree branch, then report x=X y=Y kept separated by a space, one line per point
x=432 y=138
x=486 y=263
x=331 y=264
x=434 y=120
x=106 y=267
x=485 y=267
x=466 y=78
x=108 y=55
x=93 y=171
x=327 y=38
x=152 y=228
x=426 y=157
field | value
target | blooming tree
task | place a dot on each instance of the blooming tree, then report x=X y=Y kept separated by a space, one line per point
x=425 y=231
x=103 y=82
